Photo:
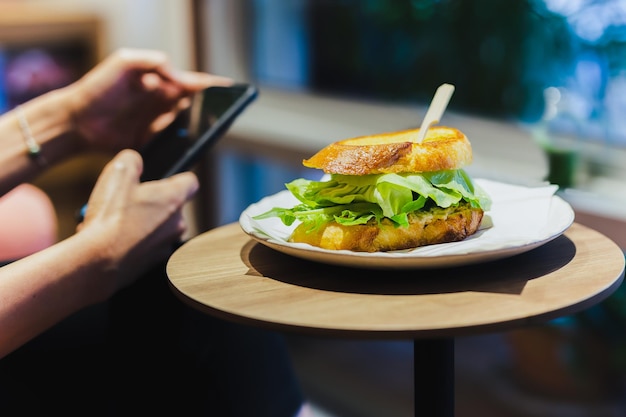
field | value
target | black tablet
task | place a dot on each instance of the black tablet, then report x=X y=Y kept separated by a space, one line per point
x=179 y=146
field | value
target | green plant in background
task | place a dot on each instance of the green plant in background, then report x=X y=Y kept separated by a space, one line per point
x=499 y=54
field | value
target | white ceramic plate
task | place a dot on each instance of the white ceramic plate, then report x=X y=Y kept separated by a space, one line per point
x=521 y=219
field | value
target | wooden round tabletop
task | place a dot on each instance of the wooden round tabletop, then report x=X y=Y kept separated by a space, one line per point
x=226 y=273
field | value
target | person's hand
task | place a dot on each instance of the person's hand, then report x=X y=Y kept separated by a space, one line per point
x=129 y=96
x=135 y=225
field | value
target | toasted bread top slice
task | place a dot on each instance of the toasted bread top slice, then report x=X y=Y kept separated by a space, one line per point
x=395 y=152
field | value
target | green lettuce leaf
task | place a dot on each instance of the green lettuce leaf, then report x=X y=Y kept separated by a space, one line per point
x=350 y=199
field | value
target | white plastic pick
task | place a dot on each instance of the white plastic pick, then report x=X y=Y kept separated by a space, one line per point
x=435 y=110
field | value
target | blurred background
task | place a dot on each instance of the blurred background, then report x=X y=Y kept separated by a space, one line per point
x=540 y=92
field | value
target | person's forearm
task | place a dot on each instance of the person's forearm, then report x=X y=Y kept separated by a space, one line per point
x=48 y=120
x=40 y=290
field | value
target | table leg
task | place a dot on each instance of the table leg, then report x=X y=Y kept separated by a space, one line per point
x=434 y=377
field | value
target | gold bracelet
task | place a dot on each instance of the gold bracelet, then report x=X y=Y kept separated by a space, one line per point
x=34 y=150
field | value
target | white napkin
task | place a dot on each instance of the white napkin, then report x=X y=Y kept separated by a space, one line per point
x=519 y=216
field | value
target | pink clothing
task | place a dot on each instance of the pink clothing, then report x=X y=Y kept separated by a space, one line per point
x=28 y=222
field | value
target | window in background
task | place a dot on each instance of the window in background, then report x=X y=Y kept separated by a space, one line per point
x=42 y=49
x=501 y=55
x=27 y=71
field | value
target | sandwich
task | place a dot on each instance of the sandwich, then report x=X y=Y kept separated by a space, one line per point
x=387 y=192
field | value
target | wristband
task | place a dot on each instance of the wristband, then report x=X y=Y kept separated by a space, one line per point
x=34 y=150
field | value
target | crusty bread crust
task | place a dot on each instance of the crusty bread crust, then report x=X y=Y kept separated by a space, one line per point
x=395 y=152
x=437 y=225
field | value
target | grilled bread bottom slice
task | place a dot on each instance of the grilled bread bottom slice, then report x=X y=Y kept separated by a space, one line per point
x=437 y=225
x=443 y=148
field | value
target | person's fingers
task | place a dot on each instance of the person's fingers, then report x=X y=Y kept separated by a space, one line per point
x=172 y=229
x=122 y=173
x=141 y=59
x=157 y=62
x=193 y=80
x=187 y=181
x=176 y=190
x=151 y=81
x=169 y=195
x=163 y=91
x=116 y=180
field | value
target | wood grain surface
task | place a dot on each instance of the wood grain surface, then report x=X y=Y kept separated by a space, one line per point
x=225 y=273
